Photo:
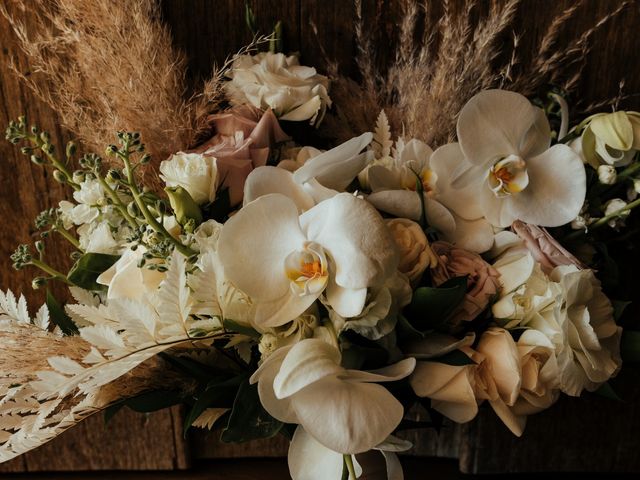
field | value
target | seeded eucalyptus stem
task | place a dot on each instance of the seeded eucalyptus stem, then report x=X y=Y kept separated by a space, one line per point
x=137 y=197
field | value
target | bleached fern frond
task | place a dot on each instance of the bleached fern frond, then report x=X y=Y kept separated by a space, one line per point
x=382 y=136
x=209 y=417
x=49 y=382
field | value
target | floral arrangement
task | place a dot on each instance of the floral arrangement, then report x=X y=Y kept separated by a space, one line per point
x=273 y=287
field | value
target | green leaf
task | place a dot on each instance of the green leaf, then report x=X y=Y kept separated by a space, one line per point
x=430 y=306
x=607 y=391
x=189 y=366
x=248 y=419
x=456 y=358
x=619 y=307
x=59 y=316
x=88 y=268
x=152 y=401
x=630 y=346
x=406 y=331
x=233 y=326
x=219 y=392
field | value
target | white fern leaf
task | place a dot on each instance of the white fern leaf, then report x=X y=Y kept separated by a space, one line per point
x=86 y=315
x=209 y=417
x=103 y=337
x=174 y=303
x=42 y=318
x=382 y=136
x=65 y=365
x=85 y=297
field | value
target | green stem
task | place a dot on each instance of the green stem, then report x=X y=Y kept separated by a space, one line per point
x=630 y=170
x=56 y=163
x=151 y=220
x=348 y=460
x=70 y=238
x=117 y=202
x=604 y=220
x=50 y=270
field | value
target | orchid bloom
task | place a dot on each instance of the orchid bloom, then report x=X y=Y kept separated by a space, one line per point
x=286 y=261
x=321 y=177
x=502 y=169
x=344 y=410
x=394 y=191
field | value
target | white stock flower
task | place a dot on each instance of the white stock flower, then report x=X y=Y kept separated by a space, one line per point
x=197 y=174
x=274 y=80
x=98 y=237
x=503 y=169
x=344 y=410
x=285 y=261
x=90 y=195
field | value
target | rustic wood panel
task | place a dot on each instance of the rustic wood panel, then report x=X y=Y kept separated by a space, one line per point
x=209 y=31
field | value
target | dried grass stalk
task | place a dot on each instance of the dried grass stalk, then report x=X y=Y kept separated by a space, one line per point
x=460 y=53
x=105 y=67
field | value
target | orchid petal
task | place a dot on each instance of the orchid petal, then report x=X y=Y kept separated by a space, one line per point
x=446 y=162
x=474 y=235
x=255 y=263
x=394 y=467
x=305 y=111
x=288 y=307
x=318 y=192
x=310 y=460
x=382 y=178
x=498 y=123
x=265 y=180
x=399 y=203
x=355 y=236
x=556 y=191
x=306 y=363
x=279 y=409
x=347 y=302
x=336 y=168
x=439 y=217
x=391 y=373
x=347 y=417
x=614 y=129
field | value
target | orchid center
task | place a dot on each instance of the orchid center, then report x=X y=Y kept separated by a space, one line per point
x=427 y=179
x=508 y=176
x=307 y=269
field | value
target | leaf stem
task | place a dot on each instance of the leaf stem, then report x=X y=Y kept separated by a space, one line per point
x=50 y=270
x=70 y=238
x=117 y=202
x=348 y=460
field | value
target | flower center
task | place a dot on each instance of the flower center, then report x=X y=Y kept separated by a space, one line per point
x=427 y=179
x=508 y=176
x=307 y=269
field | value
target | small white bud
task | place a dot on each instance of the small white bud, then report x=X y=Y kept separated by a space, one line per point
x=612 y=206
x=636 y=185
x=579 y=223
x=607 y=174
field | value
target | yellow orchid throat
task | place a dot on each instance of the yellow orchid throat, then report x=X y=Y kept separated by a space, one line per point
x=508 y=176
x=307 y=269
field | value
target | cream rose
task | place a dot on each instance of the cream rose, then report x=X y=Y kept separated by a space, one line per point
x=195 y=173
x=274 y=80
x=415 y=253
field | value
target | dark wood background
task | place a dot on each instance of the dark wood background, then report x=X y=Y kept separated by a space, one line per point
x=576 y=435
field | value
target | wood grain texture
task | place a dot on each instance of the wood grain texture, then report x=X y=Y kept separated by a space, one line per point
x=211 y=30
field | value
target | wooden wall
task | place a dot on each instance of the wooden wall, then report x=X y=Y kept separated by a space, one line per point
x=210 y=30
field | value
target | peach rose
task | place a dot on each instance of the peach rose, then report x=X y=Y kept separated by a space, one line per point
x=415 y=253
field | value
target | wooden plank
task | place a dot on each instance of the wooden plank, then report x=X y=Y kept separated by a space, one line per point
x=130 y=441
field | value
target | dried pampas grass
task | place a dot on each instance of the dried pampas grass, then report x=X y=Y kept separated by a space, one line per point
x=106 y=67
x=444 y=58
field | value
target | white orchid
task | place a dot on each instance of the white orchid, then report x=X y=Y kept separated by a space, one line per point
x=503 y=169
x=320 y=177
x=285 y=261
x=344 y=410
x=393 y=183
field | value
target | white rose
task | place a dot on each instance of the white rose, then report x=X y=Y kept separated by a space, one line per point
x=126 y=280
x=195 y=173
x=273 y=80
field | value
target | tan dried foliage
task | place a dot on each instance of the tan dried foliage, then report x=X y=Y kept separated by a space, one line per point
x=442 y=60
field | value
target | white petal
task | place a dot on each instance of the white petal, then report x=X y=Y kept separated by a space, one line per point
x=318 y=192
x=305 y=111
x=503 y=359
x=556 y=191
x=265 y=375
x=391 y=373
x=449 y=388
x=274 y=313
x=445 y=162
x=307 y=362
x=436 y=345
x=355 y=236
x=394 y=467
x=265 y=180
x=399 y=203
x=336 y=168
x=514 y=270
x=475 y=235
x=310 y=460
x=347 y=417
x=497 y=123
x=439 y=217
x=254 y=243
x=347 y=302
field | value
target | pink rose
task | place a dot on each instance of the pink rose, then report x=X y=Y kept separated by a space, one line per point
x=545 y=249
x=243 y=140
x=482 y=279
